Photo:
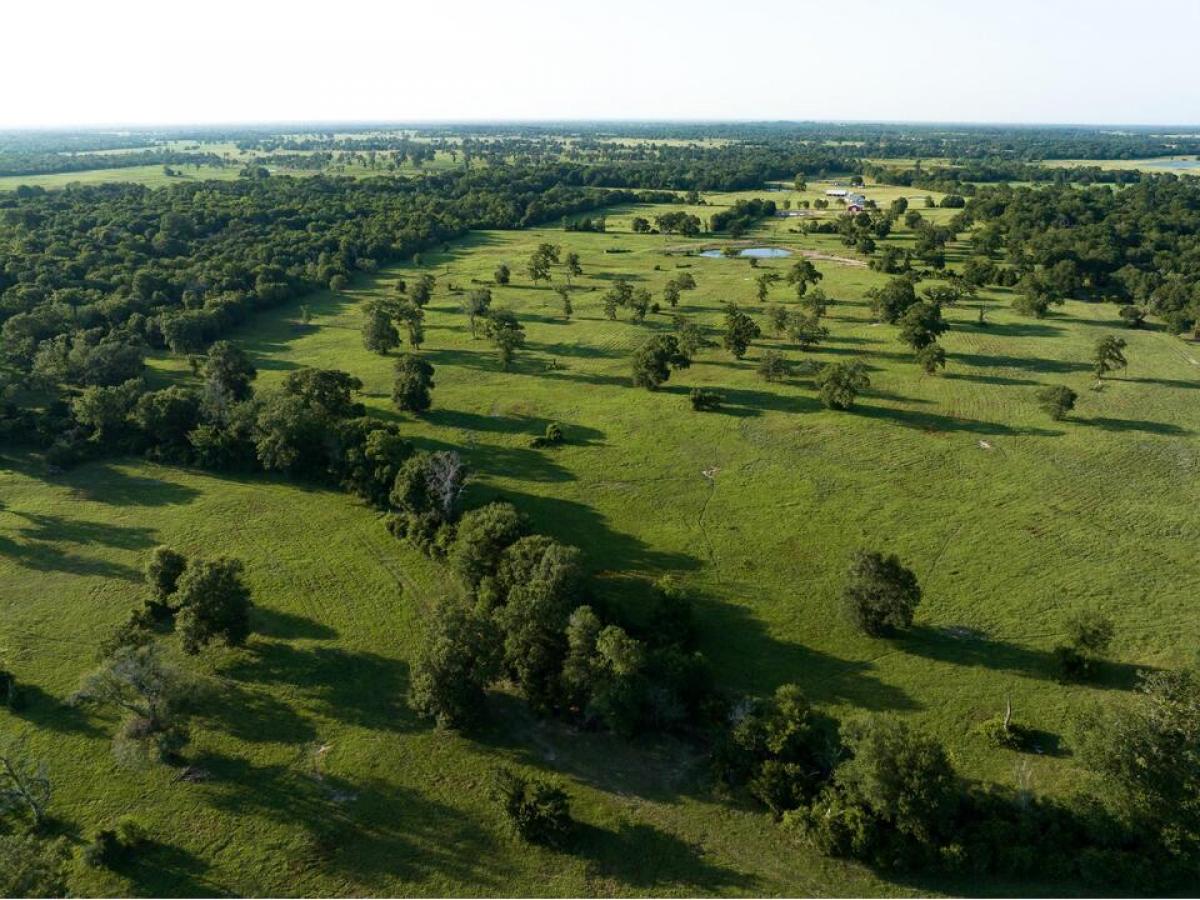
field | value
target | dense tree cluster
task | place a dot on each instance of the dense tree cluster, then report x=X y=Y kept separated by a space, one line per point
x=1139 y=245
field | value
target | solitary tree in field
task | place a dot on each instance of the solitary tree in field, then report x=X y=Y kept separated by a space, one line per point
x=801 y=275
x=691 y=336
x=506 y=332
x=573 y=265
x=639 y=304
x=214 y=603
x=922 y=324
x=740 y=330
x=805 y=330
x=503 y=274
x=379 y=334
x=476 y=304
x=764 y=282
x=149 y=691
x=620 y=294
x=422 y=291
x=778 y=317
x=540 y=261
x=1057 y=400
x=1109 y=355
x=881 y=595
x=839 y=383
x=413 y=318
x=816 y=302
x=412 y=384
x=671 y=293
x=773 y=366
x=931 y=357
x=893 y=300
x=564 y=296
x=654 y=360
x=1133 y=316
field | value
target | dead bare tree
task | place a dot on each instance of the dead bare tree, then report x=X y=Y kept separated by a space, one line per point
x=446 y=475
x=23 y=781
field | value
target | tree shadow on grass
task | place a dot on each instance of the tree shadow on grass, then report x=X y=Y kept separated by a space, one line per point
x=974 y=651
x=932 y=422
x=162 y=870
x=744 y=402
x=289 y=626
x=486 y=360
x=746 y=657
x=250 y=714
x=581 y=525
x=52 y=528
x=654 y=765
x=103 y=483
x=986 y=379
x=575 y=351
x=373 y=832
x=509 y=424
x=594 y=378
x=355 y=687
x=1027 y=363
x=44 y=710
x=1165 y=382
x=525 y=464
x=46 y=557
x=1020 y=329
x=645 y=858
x=1143 y=425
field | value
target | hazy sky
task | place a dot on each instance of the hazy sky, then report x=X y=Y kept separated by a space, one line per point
x=128 y=61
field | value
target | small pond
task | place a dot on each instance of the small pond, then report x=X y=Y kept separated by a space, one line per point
x=1172 y=164
x=757 y=252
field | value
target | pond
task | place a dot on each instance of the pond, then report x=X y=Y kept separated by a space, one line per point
x=1172 y=164
x=757 y=252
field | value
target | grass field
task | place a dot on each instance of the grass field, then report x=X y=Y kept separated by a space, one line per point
x=151 y=176
x=1179 y=165
x=1009 y=520
x=154 y=175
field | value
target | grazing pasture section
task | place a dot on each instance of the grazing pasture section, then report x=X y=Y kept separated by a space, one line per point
x=309 y=774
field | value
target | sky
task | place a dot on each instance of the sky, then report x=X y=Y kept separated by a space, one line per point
x=131 y=62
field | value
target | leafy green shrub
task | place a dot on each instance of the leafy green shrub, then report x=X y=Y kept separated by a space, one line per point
x=999 y=733
x=552 y=437
x=104 y=850
x=880 y=594
x=704 y=400
x=1057 y=401
x=536 y=810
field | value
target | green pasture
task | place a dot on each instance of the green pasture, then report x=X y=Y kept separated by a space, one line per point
x=151 y=176
x=1010 y=520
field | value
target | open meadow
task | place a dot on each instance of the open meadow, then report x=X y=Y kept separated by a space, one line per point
x=319 y=780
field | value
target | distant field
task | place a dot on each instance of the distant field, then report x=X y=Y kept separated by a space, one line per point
x=151 y=176
x=1180 y=165
x=1008 y=518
